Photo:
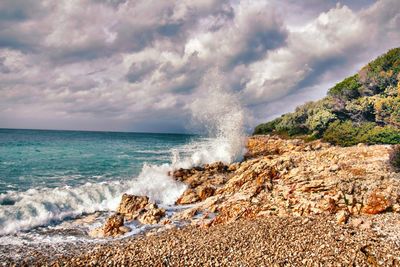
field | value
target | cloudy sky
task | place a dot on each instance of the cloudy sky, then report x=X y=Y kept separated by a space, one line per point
x=133 y=65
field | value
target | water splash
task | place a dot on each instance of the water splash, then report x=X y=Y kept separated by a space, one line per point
x=219 y=114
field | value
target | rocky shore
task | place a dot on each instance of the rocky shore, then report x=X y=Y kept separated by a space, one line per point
x=288 y=203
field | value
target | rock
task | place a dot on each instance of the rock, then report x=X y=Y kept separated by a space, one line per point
x=124 y=229
x=233 y=167
x=342 y=216
x=216 y=167
x=396 y=208
x=151 y=214
x=357 y=222
x=188 y=197
x=279 y=178
x=138 y=207
x=205 y=192
x=317 y=146
x=334 y=168
x=114 y=226
x=166 y=221
x=376 y=203
x=130 y=205
x=331 y=206
x=366 y=225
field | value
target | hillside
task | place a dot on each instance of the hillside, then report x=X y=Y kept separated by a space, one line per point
x=363 y=108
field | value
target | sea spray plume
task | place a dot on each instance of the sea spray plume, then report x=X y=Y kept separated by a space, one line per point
x=220 y=115
x=154 y=182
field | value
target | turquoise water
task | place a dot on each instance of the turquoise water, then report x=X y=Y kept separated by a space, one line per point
x=39 y=158
x=50 y=177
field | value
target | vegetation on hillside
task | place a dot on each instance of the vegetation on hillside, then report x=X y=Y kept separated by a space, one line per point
x=363 y=108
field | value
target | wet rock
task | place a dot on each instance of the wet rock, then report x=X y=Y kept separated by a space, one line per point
x=188 y=197
x=114 y=226
x=151 y=214
x=130 y=205
x=139 y=208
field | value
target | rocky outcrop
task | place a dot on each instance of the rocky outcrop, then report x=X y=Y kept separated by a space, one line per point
x=130 y=208
x=202 y=181
x=139 y=208
x=279 y=178
x=292 y=177
x=114 y=226
x=130 y=205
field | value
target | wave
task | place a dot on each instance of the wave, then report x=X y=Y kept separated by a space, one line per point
x=35 y=207
x=221 y=115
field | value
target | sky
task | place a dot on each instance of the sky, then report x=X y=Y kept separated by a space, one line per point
x=140 y=65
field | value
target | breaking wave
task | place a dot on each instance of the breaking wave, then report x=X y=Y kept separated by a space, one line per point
x=219 y=114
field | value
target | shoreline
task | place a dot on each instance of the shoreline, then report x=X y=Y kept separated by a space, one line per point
x=287 y=202
x=291 y=240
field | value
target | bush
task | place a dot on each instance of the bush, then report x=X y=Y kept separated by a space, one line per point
x=394 y=157
x=266 y=128
x=382 y=72
x=348 y=133
x=382 y=135
x=346 y=89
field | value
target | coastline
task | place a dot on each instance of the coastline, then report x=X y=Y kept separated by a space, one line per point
x=288 y=203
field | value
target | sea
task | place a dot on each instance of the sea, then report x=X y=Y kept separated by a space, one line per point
x=49 y=179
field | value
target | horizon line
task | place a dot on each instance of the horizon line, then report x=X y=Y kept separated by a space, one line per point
x=100 y=131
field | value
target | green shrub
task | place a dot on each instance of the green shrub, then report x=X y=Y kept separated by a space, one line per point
x=382 y=72
x=266 y=128
x=319 y=121
x=346 y=89
x=348 y=133
x=382 y=135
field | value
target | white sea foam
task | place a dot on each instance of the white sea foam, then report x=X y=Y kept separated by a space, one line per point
x=41 y=206
x=217 y=111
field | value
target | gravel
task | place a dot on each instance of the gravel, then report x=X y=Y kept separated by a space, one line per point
x=268 y=241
